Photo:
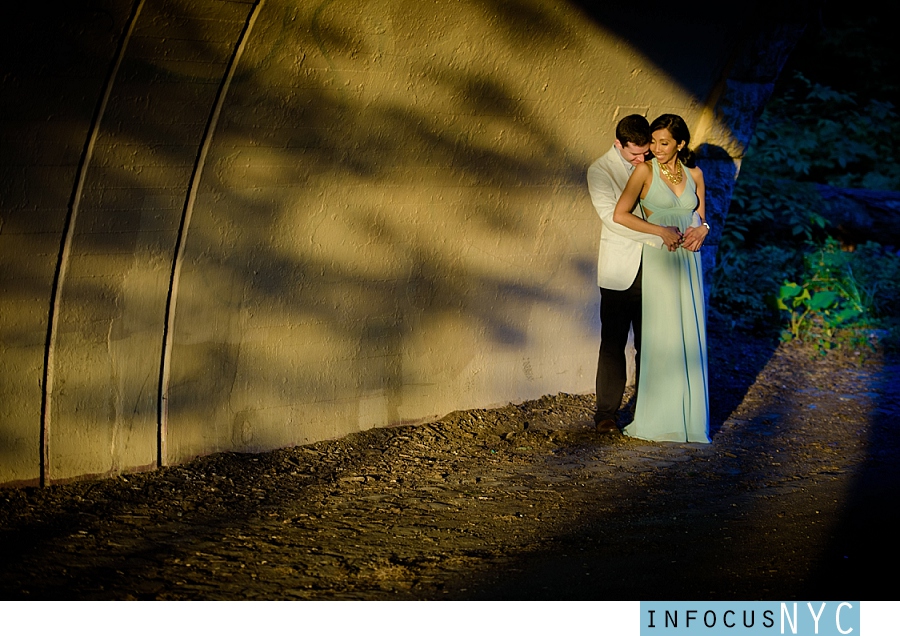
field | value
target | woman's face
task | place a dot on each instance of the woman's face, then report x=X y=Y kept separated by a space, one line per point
x=663 y=145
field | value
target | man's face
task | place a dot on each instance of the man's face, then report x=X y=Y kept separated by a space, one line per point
x=633 y=154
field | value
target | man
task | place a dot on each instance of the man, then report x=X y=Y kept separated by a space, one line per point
x=619 y=265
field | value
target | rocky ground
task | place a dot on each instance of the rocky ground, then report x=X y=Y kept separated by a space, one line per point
x=795 y=498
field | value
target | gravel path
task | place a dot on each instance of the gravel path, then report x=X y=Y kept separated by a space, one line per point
x=795 y=498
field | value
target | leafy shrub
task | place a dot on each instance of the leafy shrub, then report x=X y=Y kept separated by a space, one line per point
x=777 y=266
x=842 y=296
x=827 y=296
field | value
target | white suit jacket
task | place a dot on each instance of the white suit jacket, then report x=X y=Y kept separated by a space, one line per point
x=620 y=247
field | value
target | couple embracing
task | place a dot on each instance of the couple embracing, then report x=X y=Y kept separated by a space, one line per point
x=651 y=280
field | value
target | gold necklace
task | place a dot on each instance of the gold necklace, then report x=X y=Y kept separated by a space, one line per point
x=676 y=177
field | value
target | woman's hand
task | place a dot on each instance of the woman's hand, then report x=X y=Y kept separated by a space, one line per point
x=671 y=237
x=694 y=237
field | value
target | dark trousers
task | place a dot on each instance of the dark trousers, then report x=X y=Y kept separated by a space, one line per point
x=619 y=310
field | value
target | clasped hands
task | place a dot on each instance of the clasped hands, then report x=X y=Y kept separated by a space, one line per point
x=691 y=239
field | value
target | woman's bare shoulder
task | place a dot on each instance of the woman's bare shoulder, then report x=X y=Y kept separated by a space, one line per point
x=643 y=172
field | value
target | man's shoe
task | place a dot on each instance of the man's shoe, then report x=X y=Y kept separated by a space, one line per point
x=607 y=426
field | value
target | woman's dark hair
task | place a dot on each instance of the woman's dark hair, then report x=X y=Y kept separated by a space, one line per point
x=679 y=131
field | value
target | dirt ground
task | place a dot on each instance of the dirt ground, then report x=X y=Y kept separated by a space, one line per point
x=795 y=498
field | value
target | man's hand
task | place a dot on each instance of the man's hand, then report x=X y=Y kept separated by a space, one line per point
x=671 y=237
x=694 y=237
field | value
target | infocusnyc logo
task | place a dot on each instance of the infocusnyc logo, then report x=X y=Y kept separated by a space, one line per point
x=717 y=618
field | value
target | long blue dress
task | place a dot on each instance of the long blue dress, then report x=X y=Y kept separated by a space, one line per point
x=673 y=395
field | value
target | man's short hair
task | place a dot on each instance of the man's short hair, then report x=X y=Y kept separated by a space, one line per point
x=633 y=129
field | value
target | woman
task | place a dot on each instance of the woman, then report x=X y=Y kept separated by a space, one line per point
x=673 y=398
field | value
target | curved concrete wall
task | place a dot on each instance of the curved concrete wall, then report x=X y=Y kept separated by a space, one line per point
x=232 y=225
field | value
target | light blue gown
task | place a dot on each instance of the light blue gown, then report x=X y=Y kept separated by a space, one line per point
x=673 y=394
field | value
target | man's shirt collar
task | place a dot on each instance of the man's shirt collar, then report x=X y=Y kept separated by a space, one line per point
x=628 y=165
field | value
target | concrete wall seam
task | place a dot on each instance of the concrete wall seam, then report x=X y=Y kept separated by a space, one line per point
x=66 y=246
x=184 y=226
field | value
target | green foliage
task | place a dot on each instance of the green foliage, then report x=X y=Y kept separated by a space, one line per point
x=827 y=296
x=842 y=296
x=809 y=134
x=777 y=265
